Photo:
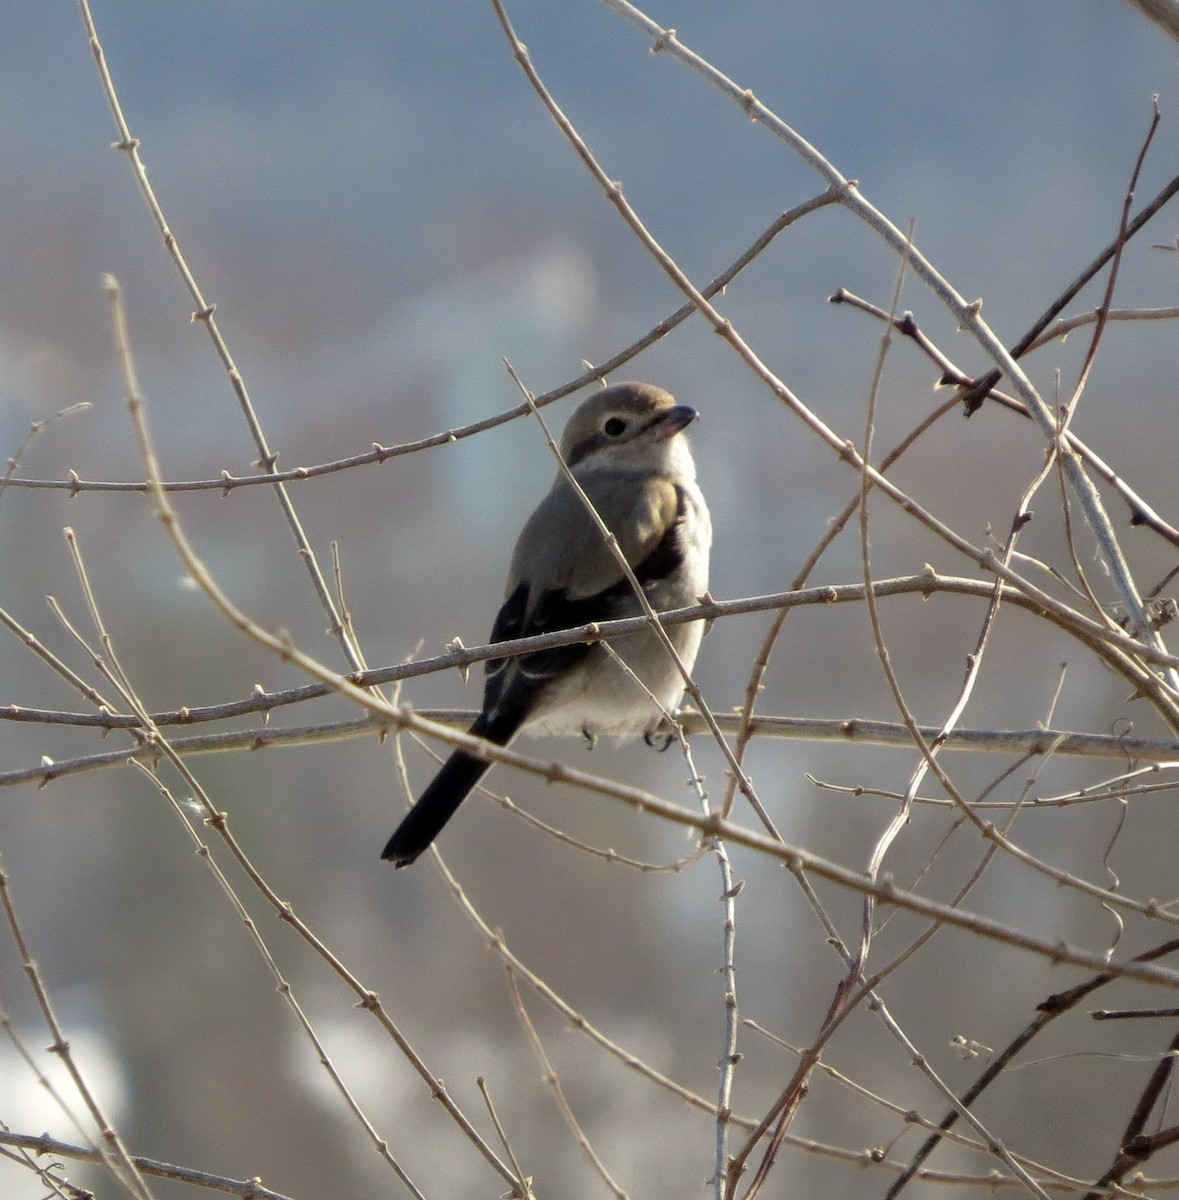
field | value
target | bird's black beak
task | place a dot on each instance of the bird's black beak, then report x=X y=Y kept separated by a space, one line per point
x=671 y=421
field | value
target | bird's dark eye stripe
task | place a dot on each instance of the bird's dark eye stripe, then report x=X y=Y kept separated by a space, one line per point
x=614 y=426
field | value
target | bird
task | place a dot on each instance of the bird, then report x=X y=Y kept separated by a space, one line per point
x=627 y=449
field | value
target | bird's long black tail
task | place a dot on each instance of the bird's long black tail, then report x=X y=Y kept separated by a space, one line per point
x=448 y=789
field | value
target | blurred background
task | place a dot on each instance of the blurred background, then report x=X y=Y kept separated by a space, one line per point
x=382 y=212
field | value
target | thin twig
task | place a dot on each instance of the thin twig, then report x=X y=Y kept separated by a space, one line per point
x=850 y=731
x=42 y=1144
x=554 y=1081
x=7 y=480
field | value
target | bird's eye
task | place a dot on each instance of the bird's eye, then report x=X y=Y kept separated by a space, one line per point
x=615 y=426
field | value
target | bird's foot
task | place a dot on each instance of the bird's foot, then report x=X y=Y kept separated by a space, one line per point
x=591 y=738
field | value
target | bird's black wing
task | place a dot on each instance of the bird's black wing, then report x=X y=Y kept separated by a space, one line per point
x=514 y=685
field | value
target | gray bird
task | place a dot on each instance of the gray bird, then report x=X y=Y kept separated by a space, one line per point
x=628 y=451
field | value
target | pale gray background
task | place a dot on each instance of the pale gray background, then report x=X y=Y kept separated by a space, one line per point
x=381 y=211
